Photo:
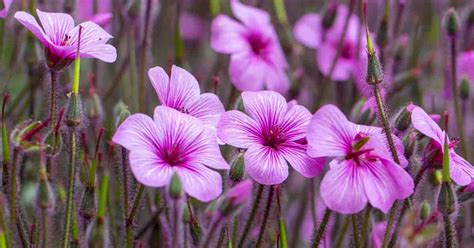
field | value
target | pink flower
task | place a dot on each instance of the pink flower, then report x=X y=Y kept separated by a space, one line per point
x=363 y=170
x=465 y=61
x=6 y=8
x=461 y=170
x=170 y=143
x=101 y=15
x=182 y=93
x=59 y=36
x=273 y=133
x=235 y=197
x=309 y=32
x=257 y=60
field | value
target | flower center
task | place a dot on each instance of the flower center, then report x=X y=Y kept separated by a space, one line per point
x=183 y=110
x=347 y=51
x=258 y=43
x=357 y=148
x=172 y=156
x=273 y=137
x=66 y=40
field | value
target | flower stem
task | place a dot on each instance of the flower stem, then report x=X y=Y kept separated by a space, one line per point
x=355 y=229
x=450 y=238
x=131 y=216
x=319 y=232
x=141 y=106
x=342 y=234
x=251 y=218
x=211 y=232
x=45 y=228
x=389 y=225
x=365 y=226
x=71 y=181
x=265 y=217
x=455 y=94
x=52 y=111
x=14 y=218
x=125 y=183
x=174 y=243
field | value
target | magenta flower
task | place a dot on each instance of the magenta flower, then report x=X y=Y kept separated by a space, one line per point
x=101 y=15
x=59 y=36
x=464 y=65
x=257 y=61
x=309 y=32
x=182 y=93
x=363 y=170
x=273 y=133
x=461 y=170
x=235 y=197
x=6 y=8
x=170 y=143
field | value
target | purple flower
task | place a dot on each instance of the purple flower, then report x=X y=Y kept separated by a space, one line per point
x=309 y=32
x=461 y=170
x=465 y=61
x=6 y=8
x=273 y=133
x=59 y=36
x=235 y=197
x=257 y=60
x=182 y=93
x=101 y=15
x=170 y=143
x=363 y=170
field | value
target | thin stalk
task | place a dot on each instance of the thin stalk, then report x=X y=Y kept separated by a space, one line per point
x=222 y=235
x=211 y=232
x=141 y=106
x=3 y=224
x=355 y=230
x=251 y=217
x=13 y=191
x=450 y=238
x=312 y=201
x=131 y=216
x=52 y=110
x=71 y=182
x=266 y=214
x=389 y=225
x=45 y=228
x=175 y=234
x=342 y=234
x=125 y=183
x=133 y=66
x=235 y=231
x=454 y=92
x=365 y=226
x=319 y=232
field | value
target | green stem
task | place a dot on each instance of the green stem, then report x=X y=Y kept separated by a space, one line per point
x=389 y=225
x=365 y=226
x=248 y=224
x=342 y=234
x=211 y=232
x=319 y=232
x=450 y=238
x=141 y=106
x=265 y=217
x=131 y=216
x=71 y=182
x=13 y=191
x=133 y=68
x=45 y=229
x=52 y=111
x=125 y=183
x=235 y=231
x=175 y=233
x=3 y=224
x=355 y=229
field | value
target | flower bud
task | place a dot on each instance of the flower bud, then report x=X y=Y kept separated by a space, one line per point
x=330 y=15
x=436 y=177
x=403 y=120
x=374 y=70
x=52 y=143
x=176 y=189
x=451 y=22
x=465 y=89
x=447 y=199
x=196 y=232
x=239 y=104
x=26 y=135
x=74 y=110
x=382 y=34
x=45 y=194
x=87 y=208
x=97 y=234
x=409 y=144
x=237 y=167
x=425 y=210
x=121 y=113
x=95 y=108
x=235 y=197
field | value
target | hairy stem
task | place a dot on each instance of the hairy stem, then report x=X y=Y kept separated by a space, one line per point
x=263 y=226
x=251 y=217
x=131 y=216
x=342 y=234
x=52 y=110
x=389 y=225
x=211 y=232
x=355 y=230
x=319 y=232
x=71 y=182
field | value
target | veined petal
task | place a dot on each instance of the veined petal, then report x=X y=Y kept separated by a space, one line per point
x=247 y=71
x=296 y=156
x=461 y=170
x=207 y=108
x=183 y=88
x=329 y=134
x=296 y=122
x=378 y=142
x=160 y=81
x=342 y=188
x=385 y=182
x=227 y=35
x=31 y=24
x=237 y=129
x=56 y=25
x=93 y=39
x=137 y=132
x=423 y=123
x=249 y=15
x=149 y=169
x=104 y=52
x=308 y=30
x=6 y=7
x=265 y=165
x=268 y=108
x=209 y=152
x=277 y=80
x=200 y=182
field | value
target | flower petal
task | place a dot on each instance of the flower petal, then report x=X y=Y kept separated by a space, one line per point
x=56 y=25
x=208 y=151
x=227 y=35
x=238 y=129
x=296 y=122
x=265 y=165
x=160 y=81
x=277 y=80
x=329 y=134
x=6 y=7
x=183 y=88
x=461 y=170
x=207 y=108
x=342 y=188
x=385 y=182
x=149 y=169
x=249 y=15
x=308 y=30
x=268 y=108
x=137 y=132
x=343 y=68
x=296 y=156
x=93 y=39
x=200 y=182
x=31 y=24
x=423 y=123
x=247 y=71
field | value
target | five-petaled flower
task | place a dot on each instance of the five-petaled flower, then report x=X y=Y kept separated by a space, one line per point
x=60 y=38
x=461 y=171
x=173 y=142
x=362 y=169
x=257 y=60
x=273 y=133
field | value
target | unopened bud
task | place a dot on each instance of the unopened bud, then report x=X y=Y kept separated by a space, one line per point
x=403 y=120
x=185 y=214
x=374 y=69
x=447 y=199
x=451 y=22
x=88 y=204
x=121 y=113
x=52 y=143
x=436 y=177
x=239 y=104
x=74 y=110
x=45 y=195
x=425 y=210
x=409 y=144
x=330 y=15
x=176 y=189
x=235 y=197
x=196 y=232
x=465 y=89
x=237 y=167
x=95 y=109
x=382 y=35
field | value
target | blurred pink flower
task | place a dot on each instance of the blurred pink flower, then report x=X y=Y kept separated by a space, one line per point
x=461 y=170
x=170 y=143
x=182 y=93
x=101 y=14
x=240 y=192
x=59 y=36
x=192 y=27
x=273 y=133
x=465 y=67
x=6 y=8
x=363 y=170
x=257 y=60
x=377 y=234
